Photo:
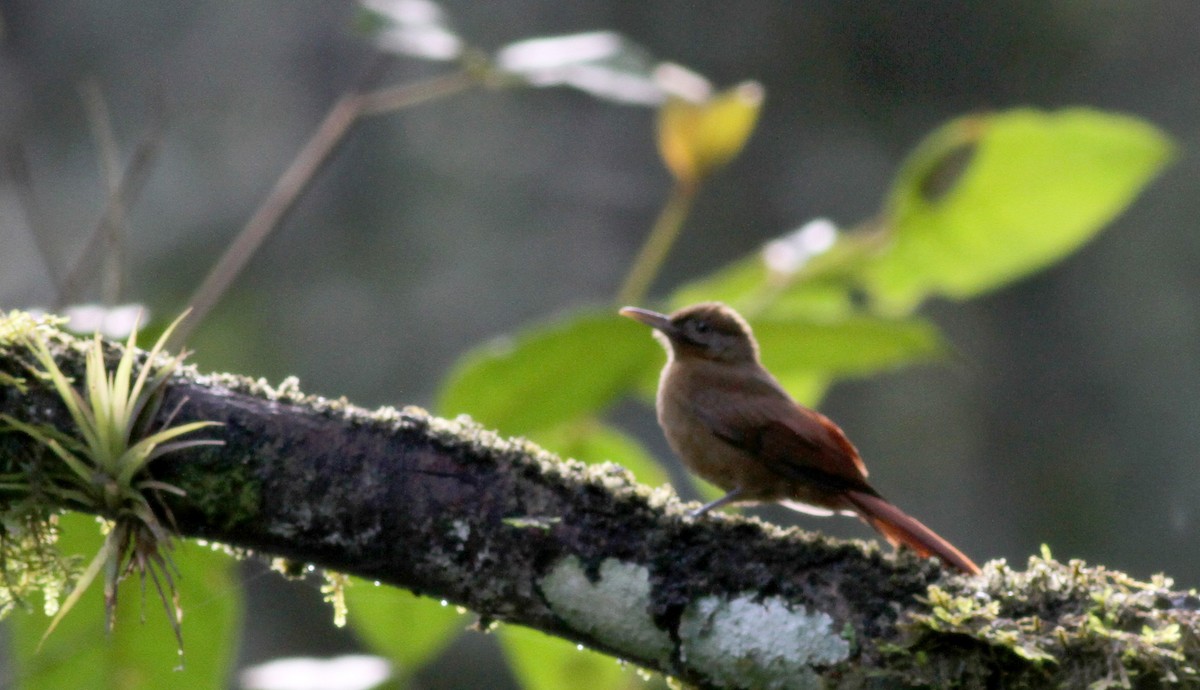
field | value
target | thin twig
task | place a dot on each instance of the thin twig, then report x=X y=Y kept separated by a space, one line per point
x=16 y=167
x=109 y=155
x=395 y=98
x=132 y=180
x=299 y=175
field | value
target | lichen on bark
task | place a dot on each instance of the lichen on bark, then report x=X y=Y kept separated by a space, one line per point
x=454 y=511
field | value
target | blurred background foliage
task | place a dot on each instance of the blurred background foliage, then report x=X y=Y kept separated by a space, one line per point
x=483 y=237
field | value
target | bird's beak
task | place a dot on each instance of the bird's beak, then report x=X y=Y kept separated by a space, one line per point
x=652 y=319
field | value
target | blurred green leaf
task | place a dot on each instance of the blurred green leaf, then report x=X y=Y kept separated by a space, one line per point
x=853 y=346
x=542 y=662
x=549 y=374
x=748 y=285
x=733 y=284
x=987 y=199
x=592 y=441
x=544 y=381
x=141 y=651
x=399 y=625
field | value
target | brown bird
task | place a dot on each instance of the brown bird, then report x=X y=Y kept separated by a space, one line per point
x=732 y=423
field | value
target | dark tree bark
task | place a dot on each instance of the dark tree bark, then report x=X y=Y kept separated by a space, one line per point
x=453 y=511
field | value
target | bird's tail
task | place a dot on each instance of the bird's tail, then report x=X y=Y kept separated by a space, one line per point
x=900 y=528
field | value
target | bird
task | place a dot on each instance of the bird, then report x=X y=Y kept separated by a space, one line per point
x=732 y=423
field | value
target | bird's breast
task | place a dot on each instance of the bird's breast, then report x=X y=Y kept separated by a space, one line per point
x=702 y=451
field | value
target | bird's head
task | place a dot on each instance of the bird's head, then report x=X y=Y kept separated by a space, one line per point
x=709 y=330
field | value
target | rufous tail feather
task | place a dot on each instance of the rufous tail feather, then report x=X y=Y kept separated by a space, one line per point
x=900 y=528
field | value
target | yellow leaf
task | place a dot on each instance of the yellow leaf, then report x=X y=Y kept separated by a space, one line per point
x=696 y=138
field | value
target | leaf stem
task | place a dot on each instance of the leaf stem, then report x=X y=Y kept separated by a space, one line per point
x=658 y=243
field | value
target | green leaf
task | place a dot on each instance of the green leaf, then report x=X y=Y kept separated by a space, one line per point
x=987 y=199
x=854 y=346
x=592 y=441
x=108 y=552
x=747 y=284
x=407 y=629
x=138 y=654
x=542 y=662
x=550 y=373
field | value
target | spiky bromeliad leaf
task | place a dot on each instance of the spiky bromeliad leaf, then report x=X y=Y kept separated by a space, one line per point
x=103 y=464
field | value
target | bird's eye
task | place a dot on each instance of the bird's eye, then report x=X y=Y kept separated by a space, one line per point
x=701 y=327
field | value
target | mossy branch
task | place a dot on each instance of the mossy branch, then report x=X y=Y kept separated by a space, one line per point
x=448 y=509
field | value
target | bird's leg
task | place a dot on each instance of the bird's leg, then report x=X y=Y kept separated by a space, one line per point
x=727 y=498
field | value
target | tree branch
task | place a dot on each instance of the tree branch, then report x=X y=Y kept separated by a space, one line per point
x=450 y=510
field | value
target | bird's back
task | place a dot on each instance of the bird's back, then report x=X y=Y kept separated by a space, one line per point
x=736 y=427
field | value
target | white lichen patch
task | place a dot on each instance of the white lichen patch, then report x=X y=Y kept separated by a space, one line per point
x=390 y=415
x=288 y=389
x=611 y=476
x=661 y=496
x=747 y=643
x=464 y=429
x=451 y=428
x=415 y=411
x=615 y=609
x=460 y=531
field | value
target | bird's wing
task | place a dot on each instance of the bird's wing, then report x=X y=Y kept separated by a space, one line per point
x=798 y=443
